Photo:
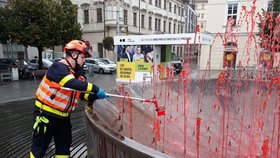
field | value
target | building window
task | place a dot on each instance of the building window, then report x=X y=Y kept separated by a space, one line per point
x=232 y=12
x=182 y=29
x=150 y=23
x=125 y=17
x=174 y=28
x=99 y=14
x=134 y=19
x=156 y=25
x=150 y=2
x=158 y=3
x=201 y=25
x=179 y=10
x=202 y=15
x=159 y=24
x=181 y=51
x=142 y=21
x=164 y=26
x=169 y=27
x=170 y=7
x=182 y=12
x=164 y=4
x=175 y=8
x=203 y=6
x=86 y=17
x=179 y=28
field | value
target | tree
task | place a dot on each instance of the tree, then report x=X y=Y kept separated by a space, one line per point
x=4 y=26
x=268 y=23
x=41 y=23
x=108 y=43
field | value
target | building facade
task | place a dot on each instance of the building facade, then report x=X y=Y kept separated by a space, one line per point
x=201 y=11
x=235 y=42
x=99 y=19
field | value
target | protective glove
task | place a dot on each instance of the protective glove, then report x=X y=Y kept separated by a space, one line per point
x=39 y=127
x=101 y=94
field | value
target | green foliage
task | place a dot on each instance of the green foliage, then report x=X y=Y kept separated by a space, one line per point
x=4 y=26
x=108 y=43
x=40 y=23
x=266 y=27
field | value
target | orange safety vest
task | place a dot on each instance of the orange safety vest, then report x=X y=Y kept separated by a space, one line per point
x=60 y=102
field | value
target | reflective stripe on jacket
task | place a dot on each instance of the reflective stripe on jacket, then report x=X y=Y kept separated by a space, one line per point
x=62 y=100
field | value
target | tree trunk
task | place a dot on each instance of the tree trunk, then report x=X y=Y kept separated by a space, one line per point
x=40 y=50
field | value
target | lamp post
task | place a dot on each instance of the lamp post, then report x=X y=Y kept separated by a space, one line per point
x=104 y=18
x=118 y=18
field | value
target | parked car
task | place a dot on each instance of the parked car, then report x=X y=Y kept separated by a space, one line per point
x=5 y=63
x=99 y=66
x=9 y=62
x=28 y=69
x=46 y=63
x=107 y=61
x=176 y=64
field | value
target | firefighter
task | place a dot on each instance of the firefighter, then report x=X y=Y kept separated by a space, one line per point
x=51 y=114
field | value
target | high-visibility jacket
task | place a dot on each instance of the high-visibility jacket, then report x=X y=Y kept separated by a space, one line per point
x=59 y=102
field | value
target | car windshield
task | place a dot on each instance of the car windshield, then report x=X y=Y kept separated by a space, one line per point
x=105 y=61
x=101 y=63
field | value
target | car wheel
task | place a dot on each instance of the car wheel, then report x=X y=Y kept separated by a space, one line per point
x=101 y=71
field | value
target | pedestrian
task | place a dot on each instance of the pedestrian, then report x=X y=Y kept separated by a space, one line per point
x=149 y=57
x=126 y=55
x=138 y=56
x=51 y=114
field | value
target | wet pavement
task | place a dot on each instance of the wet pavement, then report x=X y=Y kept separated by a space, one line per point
x=17 y=101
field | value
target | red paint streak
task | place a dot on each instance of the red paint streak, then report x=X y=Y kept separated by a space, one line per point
x=198 y=122
x=130 y=118
x=265 y=147
x=273 y=131
x=157 y=130
x=278 y=98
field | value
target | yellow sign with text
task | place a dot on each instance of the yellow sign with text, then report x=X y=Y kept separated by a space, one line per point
x=126 y=71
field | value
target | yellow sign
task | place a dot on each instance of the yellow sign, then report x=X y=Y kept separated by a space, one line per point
x=143 y=67
x=139 y=60
x=229 y=57
x=123 y=60
x=126 y=71
x=267 y=56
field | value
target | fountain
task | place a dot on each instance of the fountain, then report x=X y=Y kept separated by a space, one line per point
x=236 y=114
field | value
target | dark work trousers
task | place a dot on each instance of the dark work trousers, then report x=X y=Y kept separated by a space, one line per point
x=58 y=128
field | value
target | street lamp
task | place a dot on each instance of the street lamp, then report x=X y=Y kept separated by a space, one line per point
x=104 y=17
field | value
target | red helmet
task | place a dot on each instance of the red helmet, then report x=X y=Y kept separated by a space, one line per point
x=78 y=46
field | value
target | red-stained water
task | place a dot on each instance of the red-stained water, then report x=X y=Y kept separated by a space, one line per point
x=233 y=115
